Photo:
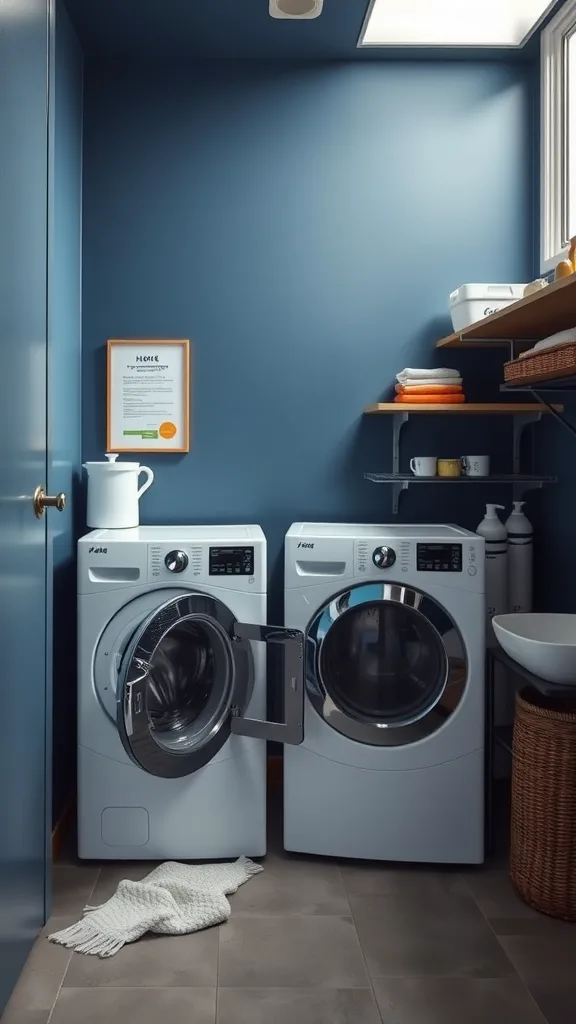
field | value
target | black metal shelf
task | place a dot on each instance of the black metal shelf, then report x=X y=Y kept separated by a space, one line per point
x=503 y=735
x=542 y=685
x=559 y=385
x=524 y=414
x=536 y=479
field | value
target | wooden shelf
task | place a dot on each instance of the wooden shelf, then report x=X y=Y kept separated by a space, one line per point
x=545 y=312
x=470 y=408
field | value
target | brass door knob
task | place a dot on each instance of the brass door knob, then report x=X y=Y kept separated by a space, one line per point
x=43 y=501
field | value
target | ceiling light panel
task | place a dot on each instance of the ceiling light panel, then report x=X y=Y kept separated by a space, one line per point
x=451 y=22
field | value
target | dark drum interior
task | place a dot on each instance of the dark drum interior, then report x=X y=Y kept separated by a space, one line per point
x=383 y=661
x=182 y=698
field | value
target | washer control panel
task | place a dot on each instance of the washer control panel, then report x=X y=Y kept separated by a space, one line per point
x=231 y=561
x=439 y=557
x=455 y=559
x=240 y=566
x=383 y=557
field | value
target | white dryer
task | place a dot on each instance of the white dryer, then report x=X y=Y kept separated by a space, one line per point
x=392 y=763
x=172 y=692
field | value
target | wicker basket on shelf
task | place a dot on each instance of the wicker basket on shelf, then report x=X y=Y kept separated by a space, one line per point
x=543 y=825
x=548 y=364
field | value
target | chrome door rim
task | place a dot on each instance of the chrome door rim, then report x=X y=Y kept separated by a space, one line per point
x=114 y=639
x=236 y=677
x=382 y=733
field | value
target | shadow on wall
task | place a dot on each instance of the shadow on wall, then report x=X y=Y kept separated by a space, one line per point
x=552 y=511
x=64 y=372
x=65 y=655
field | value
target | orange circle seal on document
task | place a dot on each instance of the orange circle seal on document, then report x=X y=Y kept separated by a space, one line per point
x=167 y=430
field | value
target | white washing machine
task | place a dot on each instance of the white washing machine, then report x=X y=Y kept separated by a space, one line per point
x=172 y=692
x=392 y=763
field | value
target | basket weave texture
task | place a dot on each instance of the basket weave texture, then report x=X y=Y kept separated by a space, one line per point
x=546 y=365
x=543 y=826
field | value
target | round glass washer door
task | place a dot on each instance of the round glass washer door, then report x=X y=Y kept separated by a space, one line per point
x=386 y=664
x=176 y=674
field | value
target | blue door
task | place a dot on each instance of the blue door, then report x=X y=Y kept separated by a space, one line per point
x=24 y=34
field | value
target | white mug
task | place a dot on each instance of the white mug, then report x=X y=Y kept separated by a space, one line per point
x=424 y=465
x=476 y=465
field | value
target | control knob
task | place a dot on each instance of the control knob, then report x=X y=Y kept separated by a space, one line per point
x=384 y=557
x=176 y=561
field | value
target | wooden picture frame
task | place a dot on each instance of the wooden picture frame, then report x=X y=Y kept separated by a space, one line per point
x=148 y=395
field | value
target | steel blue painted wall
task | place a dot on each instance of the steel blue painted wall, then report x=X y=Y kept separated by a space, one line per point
x=64 y=370
x=304 y=225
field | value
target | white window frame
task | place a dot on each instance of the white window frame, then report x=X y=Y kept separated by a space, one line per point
x=554 y=242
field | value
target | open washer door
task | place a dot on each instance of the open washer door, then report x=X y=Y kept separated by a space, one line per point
x=387 y=664
x=185 y=681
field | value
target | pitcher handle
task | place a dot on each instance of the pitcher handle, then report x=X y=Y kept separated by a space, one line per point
x=148 y=482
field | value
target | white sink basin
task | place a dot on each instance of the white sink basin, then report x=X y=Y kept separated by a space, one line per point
x=542 y=642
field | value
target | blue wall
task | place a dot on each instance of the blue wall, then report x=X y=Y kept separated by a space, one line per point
x=303 y=225
x=64 y=373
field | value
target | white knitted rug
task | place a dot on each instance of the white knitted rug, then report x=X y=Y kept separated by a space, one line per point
x=174 y=899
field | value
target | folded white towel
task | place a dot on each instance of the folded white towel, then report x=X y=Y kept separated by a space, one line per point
x=415 y=376
x=430 y=380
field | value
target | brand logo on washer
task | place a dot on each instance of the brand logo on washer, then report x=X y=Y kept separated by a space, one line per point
x=303 y=545
x=97 y=551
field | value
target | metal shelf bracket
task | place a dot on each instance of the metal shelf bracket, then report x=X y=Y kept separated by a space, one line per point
x=509 y=343
x=557 y=415
x=399 y=421
x=520 y=423
x=537 y=391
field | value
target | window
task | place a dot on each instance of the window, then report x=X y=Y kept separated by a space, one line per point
x=558 y=141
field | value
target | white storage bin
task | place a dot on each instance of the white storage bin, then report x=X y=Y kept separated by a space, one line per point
x=472 y=302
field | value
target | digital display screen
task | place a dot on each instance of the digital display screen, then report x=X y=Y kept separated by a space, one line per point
x=231 y=562
x=439 y=557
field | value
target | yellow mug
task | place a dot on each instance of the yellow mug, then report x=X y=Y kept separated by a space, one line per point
x=449 y=467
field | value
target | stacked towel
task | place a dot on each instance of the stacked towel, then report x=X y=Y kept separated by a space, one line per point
x=442 y=386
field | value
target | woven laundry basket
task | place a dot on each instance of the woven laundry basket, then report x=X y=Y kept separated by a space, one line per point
x=547 y=364
x=543 y=826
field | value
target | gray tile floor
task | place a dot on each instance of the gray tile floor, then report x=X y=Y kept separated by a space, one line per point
x=314 y=941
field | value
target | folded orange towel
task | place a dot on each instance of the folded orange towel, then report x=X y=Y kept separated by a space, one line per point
x=429 y=389
x=430 y=399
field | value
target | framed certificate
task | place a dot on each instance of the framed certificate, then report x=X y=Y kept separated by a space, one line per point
x=148 y=396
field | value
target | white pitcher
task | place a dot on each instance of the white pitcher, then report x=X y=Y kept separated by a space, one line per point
x=113 y=493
